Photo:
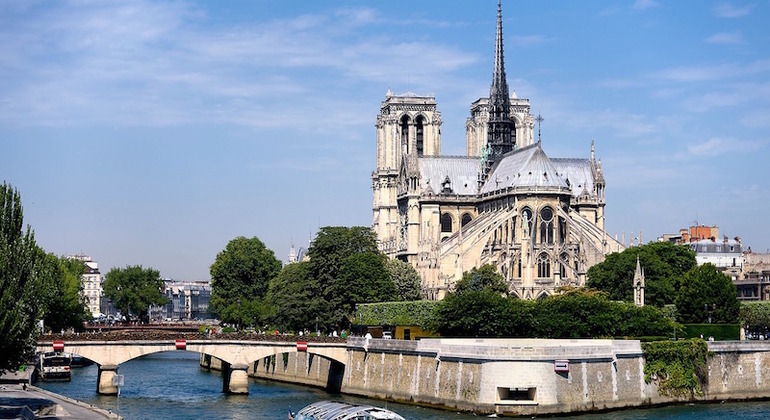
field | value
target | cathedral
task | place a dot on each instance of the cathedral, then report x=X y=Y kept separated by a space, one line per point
x=539 y=220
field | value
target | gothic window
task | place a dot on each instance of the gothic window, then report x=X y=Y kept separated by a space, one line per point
x=526 y=222
x=546 y=225
x=543 y=266
x=446 y=223
x=405 y=133
x=562 y=230
x=563 y=265
x=466 y=219
x=419 y=134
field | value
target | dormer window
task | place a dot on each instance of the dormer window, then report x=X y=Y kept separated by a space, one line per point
x=446 y=186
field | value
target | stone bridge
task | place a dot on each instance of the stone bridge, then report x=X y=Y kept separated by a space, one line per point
x=236 y=355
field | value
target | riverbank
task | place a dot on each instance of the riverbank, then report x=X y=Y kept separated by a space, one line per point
x=23 y=401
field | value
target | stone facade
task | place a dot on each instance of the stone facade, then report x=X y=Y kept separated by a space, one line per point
x=539 y=220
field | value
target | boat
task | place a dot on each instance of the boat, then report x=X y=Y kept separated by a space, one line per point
x=55 y=366
x=336 y=410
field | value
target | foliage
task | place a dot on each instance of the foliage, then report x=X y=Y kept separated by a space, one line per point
x=421 y=313
x=133 y=289
x=363 y=278
x=664 y=265
x=240 y=278
x=66 y=306
x=405 y=278
x=720 y=332
x=707 y=295
x=290 y=293
x=755 y=315
x=579 y=313
x=21 y=282
x=678 y=366
x=330 y=250
x=484 y=277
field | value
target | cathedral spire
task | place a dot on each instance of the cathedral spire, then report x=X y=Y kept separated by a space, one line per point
x=501 y=133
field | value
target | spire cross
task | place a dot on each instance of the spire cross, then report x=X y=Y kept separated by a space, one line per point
x=539 y=120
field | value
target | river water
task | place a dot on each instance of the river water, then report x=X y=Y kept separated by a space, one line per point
x=171 y=385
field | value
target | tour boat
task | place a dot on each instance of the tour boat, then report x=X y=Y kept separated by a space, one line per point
x=55 y=366
x=335 y=410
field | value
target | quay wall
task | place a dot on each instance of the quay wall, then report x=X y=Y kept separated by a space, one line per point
x=516 y=376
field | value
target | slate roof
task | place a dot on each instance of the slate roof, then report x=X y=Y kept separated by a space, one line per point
x=578 y=172
x=525 y=167
x=462 y=171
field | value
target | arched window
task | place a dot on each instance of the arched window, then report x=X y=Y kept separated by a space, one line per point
x=446 y=223
x=405 y=133
x=526 y=222
x=543 y=266
x=546 y=225
x=562 y=230
x=466 y=219
x=419 y=134
x=564 y=265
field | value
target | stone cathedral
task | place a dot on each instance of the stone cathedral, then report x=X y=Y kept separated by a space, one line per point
x=539 y=220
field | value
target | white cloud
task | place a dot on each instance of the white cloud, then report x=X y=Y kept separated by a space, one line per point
x=727 y=10
x=725 y=38
x=645 y=4
x=716 y=146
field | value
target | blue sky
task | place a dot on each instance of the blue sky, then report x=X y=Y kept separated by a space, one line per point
x=154 y=132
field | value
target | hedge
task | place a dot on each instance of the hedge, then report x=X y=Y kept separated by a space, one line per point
x=419 y=313
x=720 y=332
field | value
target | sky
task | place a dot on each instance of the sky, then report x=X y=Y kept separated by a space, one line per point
x=152 y=133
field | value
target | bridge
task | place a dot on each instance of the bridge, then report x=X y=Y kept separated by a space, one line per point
x=236 y=355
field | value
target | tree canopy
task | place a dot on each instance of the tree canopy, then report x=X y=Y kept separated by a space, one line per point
x=707 y=295
x=21 y=282
x=485 y=277
x=133 y=289
x=405 y=279
x=290 y=294
x=240 y=278
x=66 y=306
x=664 y=266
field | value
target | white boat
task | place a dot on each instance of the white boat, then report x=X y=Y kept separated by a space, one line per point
x=55 y=366
x=335 y=410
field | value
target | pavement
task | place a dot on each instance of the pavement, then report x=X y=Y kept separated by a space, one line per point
x=23 y=401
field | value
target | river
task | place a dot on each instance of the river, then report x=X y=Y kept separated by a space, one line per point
x=171 y=385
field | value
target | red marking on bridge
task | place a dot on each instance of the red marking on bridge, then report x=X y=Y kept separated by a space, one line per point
x=181 y=344
x=58 y=345
x=301 y=345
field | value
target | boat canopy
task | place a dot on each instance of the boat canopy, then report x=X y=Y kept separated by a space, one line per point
x=335 y=410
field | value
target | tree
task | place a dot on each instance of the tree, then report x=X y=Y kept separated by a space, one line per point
x=133 y=289
x=328 y=252
x=485 y=277
x=240 y=278
x=405 y=278
x=664 y=265
x=21 y=262
x=290 y=293
x=65 y=303
x=707 y=295
x=363 y=278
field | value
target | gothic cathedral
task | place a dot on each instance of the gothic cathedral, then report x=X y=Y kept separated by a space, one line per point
x=539 y=220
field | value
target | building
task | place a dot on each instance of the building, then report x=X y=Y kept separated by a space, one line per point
x=92 y=284
x=188 y=300
x=539 y=220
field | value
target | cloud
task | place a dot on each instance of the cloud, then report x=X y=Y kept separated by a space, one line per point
x=725 y=38
x=645 y=4
x=716 y=146
x=727 y=10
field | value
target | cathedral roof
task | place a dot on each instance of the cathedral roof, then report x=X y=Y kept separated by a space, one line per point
x=524 y=167
x=577 y=172
x=462 y=172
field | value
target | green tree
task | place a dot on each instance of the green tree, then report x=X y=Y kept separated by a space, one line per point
x=363 y=278
x=707 y=295
x=474 y=313
x=290 y=293
x=21 y=283
x=664 y=265
x=66 y=306
x=328 y=253
x=240 y=278
x=133 y=289
x=481 y=278
x=405 y=278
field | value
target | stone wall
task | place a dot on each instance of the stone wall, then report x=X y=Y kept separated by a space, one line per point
x=515 y=376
